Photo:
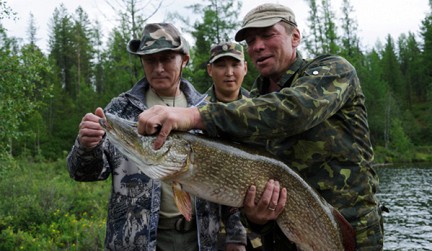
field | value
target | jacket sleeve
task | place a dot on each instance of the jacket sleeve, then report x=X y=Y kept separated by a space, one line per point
x=235 y=231
x=316 y=94
x=88 y=165
x=97 y=163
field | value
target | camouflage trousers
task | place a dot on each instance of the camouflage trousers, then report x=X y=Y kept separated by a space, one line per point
x=369 y=235
x=370 y=231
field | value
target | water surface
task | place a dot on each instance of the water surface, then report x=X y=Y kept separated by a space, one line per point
x=407 y=192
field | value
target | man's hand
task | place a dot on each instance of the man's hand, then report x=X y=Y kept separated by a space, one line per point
x=270 y=205
x=164 y=119
x=90 y=131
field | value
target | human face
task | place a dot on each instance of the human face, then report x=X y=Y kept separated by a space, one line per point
x=272 y=49
x=163 y=71
x=227 y=74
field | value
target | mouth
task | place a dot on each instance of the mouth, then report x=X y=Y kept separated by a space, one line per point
x=262 y=60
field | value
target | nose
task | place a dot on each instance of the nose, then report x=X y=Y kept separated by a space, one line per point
x=158 y=66
x=229 y=70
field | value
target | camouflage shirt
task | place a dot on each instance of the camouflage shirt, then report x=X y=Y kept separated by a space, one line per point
x=317 y=124
x=212 y=94
x=133 y=210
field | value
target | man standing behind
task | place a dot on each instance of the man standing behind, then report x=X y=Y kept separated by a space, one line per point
x=227 y=67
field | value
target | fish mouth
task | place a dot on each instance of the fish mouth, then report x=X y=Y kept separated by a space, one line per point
x=104 y=123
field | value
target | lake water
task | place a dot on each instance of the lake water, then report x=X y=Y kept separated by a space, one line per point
x=407 y=193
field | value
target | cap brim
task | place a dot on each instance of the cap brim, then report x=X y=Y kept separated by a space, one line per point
x=133 y=46
x=240 y=35
x=238 y=57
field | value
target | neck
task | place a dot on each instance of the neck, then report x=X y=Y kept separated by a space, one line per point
x=172 y=92
x=226 y=98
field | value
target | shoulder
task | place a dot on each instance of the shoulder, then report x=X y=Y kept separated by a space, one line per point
x=328 y=64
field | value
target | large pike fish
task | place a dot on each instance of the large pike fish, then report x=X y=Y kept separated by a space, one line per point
x=222 y=172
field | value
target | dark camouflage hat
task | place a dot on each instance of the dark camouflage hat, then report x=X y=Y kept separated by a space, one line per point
x=226 y=49
x=265 y=15
x=158 y=37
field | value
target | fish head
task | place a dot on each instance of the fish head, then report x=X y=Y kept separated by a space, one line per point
x=165 y=163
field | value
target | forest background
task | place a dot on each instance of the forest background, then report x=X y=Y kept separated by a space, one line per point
x=44 y=95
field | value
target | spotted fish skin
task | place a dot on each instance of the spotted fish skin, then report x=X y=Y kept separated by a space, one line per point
x=222 y=172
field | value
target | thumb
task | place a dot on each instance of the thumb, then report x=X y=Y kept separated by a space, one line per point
x=99 y=112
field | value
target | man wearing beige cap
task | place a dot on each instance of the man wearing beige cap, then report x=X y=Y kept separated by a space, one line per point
x=309 y=113
x=227 y=68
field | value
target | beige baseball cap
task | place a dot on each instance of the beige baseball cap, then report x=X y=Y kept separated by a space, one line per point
x=265 y=15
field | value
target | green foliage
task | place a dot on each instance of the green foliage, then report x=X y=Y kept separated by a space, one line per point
x=400 y=142
x=23 y=91
x=41 y=208
x=43 y=98
x=219 y=22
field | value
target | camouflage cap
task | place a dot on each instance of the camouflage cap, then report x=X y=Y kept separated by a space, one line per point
x=158 y=37
x=226 y=49
x=265 y=15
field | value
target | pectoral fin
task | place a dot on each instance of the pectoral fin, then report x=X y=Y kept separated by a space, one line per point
x=182 y=200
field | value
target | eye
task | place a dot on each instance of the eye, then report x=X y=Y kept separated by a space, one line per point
x=249 y=40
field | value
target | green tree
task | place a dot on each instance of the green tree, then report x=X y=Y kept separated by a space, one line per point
x=410 y=56
x=375 y=90
x=350 y=42
x=426 y=58
x=391 y=69
x=323 y=37
x=62 y=52
x=22 y=91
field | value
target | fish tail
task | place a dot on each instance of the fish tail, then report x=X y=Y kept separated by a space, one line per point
x=347 y=231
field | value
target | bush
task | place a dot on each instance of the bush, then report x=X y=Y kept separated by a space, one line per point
x=41 y=208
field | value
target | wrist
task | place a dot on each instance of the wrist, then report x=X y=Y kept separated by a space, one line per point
x=197 y=122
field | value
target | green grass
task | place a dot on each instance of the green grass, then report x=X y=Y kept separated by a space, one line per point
x=42 y=208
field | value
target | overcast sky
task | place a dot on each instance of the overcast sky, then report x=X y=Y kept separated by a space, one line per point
x=376 y=18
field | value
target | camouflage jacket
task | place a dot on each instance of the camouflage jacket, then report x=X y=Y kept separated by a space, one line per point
x=317 y=124
x=212 y=95
x=133 y=211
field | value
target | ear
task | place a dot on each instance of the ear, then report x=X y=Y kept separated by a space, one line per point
x=296 y=37
x=209 y=69
x=245 y=67
x=185 y=60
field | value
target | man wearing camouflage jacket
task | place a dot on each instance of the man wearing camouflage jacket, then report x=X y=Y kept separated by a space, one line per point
x=141 y=215
x=309 y=113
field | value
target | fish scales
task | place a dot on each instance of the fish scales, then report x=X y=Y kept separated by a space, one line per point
x=222 y=172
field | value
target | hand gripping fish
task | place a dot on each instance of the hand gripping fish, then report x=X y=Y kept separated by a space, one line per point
x=222 y=172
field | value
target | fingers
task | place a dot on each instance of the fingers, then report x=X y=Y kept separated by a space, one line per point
x=249 y=201
x=267 y=196
x=274 y=197
x=149 y=121
x=282 y=201
x=100 y=113
x=270 y=205
x=90 y=131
